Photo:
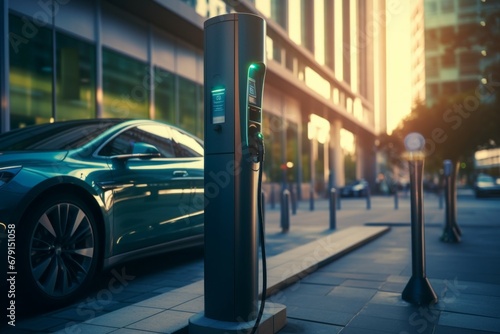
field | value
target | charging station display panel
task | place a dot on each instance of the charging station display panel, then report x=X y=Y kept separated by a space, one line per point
x=252 y=91
x=218 y=105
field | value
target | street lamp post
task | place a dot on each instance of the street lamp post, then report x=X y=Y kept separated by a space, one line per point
x=418 y=290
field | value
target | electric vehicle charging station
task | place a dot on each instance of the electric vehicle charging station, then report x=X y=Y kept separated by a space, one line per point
x=234 y=72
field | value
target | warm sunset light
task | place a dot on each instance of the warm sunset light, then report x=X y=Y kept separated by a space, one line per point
x=398 y=67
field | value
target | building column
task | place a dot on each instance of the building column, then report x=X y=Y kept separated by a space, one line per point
x=326 y=166
x=313 y=150
x=366 y=162
x=370 y=162
x=4 y=67
x=299 y=162
x=359 y=159
x=336 y=156
x=284 y=181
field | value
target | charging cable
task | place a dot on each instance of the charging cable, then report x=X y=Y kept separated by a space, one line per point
x=260 y=158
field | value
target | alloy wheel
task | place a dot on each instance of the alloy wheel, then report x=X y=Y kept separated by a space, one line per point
x=62 y=249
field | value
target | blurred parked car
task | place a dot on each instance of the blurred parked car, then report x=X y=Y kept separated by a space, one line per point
x=86 y=195
x=358 y=188
x=486 y=185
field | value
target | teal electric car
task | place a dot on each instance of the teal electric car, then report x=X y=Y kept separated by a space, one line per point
x=79 y=196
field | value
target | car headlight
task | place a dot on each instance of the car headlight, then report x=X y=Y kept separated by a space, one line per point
x=8 y=173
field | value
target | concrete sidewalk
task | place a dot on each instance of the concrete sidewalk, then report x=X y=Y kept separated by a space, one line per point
x=360 y=291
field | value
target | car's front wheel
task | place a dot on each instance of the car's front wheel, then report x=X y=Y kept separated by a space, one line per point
x=60 y=249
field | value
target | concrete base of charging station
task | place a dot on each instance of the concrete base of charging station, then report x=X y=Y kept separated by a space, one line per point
x=273 y=320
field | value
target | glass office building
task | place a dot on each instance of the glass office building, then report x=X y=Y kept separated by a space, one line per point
x=451 y=67
x=76 y=59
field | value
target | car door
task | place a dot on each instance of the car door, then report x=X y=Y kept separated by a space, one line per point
x=151 y=195
x=190 y=150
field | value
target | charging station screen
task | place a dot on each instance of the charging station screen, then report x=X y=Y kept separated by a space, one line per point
x=218 y=105
x=252 y=91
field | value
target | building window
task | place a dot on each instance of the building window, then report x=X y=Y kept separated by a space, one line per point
x=430 y=7
x=431 y=39
x=75 y=81
x=469 y=62
x=329 y=35
x=447 y=6
x=447 y=35
x=272 y=127
x=432 y=92
x=125 y=86
x=468 y=85
x=277 y=51
x=307 y=26
x=290 y=61
x=188 y=105
x=292 y=159
x=431 y=67
x=346 y=41
x=448 y=59
x=164 y=95
x=279 y=12
x=449 y=88
x=463 y=4
x=31 y=68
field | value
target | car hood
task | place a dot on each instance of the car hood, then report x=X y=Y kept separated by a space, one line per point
x=31 y=157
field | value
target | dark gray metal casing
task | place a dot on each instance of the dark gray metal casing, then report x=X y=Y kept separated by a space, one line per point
x=234 y=70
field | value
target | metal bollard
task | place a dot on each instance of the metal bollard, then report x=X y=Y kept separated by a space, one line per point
x=450 y=233
x=339 y=201
x=440 y=196
x=418 y=290
x=285 y=211
x=293 y=198
x=454 y=197
x=273 y=197
x=368 y=199
x=311 y=199
x=396 y=198
x=333 y=209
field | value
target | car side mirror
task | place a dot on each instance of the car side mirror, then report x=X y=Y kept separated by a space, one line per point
x=139 y=150
x=144 y=148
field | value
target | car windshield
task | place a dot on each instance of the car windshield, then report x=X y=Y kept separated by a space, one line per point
x=54 y=136
x=485 y=178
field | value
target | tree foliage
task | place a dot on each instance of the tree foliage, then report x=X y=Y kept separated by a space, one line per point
x=456 y=126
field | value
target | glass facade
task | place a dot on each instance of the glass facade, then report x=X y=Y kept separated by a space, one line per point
x=272 y=141
x=53 y=77
x=164 y=95
x=190 y=103
x=126 y=66
x=455 y=64
x=31 y=70
x=75 y=78
x=125 y=83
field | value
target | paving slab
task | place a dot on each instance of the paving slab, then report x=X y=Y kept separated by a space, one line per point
x=170 y=312
x=327 y=285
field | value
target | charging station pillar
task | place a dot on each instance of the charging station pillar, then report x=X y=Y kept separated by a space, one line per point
x=234 y=71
